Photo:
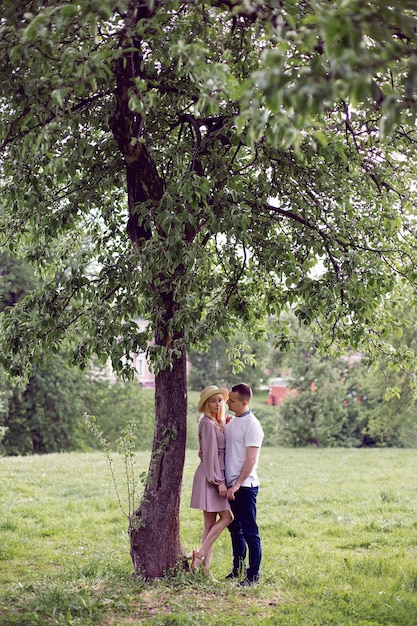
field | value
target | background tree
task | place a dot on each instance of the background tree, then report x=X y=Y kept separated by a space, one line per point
x=252 y=138
x=392 y=423
x=43 y=415
x=362 y=389
x=17 y=278
x=222 y=358
x=117 y=404
x=46 y=415
x=321 y=408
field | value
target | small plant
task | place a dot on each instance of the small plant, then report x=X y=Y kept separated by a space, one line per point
x=125 y=447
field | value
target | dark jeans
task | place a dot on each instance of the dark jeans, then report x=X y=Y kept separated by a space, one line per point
x=244 y=531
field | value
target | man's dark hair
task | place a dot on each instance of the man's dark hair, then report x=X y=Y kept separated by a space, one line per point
x=244 y=391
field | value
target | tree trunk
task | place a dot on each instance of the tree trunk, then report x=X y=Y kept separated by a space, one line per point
x=154 y=529
x=155 y=545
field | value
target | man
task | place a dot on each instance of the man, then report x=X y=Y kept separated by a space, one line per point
x=244 y=437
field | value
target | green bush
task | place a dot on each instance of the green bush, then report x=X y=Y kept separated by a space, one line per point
x=45 y=415
x=114 y=405
x=269 y=418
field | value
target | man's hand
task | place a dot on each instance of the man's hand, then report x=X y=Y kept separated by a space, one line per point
x=231 y=492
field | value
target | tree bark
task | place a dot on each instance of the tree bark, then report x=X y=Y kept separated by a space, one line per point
x=144 y=185
x=155 y=526
x=154 y=529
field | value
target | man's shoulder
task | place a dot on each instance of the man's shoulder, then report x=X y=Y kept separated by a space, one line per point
x=253 y=417
x=254 y=422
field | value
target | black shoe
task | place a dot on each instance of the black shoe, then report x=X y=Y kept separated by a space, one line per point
x=248 y=582
x=233 y=574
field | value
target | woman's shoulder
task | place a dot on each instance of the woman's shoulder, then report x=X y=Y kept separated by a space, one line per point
x=208 y=422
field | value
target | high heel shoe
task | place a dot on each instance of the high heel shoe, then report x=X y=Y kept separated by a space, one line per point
x=197 y=561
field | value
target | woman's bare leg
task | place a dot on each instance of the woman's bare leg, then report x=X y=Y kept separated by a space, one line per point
x=209 y=521
x=213 y=528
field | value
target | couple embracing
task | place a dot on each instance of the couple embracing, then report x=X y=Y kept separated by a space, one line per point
x=225 y=485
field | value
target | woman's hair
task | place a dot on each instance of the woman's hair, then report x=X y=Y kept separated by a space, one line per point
x=244 y=391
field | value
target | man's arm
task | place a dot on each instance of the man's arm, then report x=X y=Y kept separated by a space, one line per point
x=252 y=454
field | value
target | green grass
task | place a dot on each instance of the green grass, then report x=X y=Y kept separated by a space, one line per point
x=339 y=530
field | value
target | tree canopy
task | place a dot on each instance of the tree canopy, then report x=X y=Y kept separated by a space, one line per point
x=202 y=165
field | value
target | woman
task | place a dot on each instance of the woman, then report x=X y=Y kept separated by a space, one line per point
x=209 y=487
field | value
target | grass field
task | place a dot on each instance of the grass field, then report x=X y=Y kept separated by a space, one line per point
x=339 y=530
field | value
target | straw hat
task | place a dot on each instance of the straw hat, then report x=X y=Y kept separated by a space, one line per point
x=212 y=390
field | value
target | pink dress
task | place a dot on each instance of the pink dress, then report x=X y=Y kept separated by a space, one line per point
x=210 y=473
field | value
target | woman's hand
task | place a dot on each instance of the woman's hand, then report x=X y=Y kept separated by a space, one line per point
x=222 y=490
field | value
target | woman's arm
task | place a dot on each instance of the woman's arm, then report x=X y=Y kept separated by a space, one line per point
x=210 y=454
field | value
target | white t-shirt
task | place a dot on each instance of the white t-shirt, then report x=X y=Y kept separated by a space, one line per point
x=240 y=433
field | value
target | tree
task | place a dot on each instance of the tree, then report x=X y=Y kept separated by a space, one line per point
x=250 y=138
x=118 y=404
x=16 y=279
x=223 y=358
x=46 y=415
x=43 y=415
x=387 y=424
x=392 y=423
x=322 y=409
